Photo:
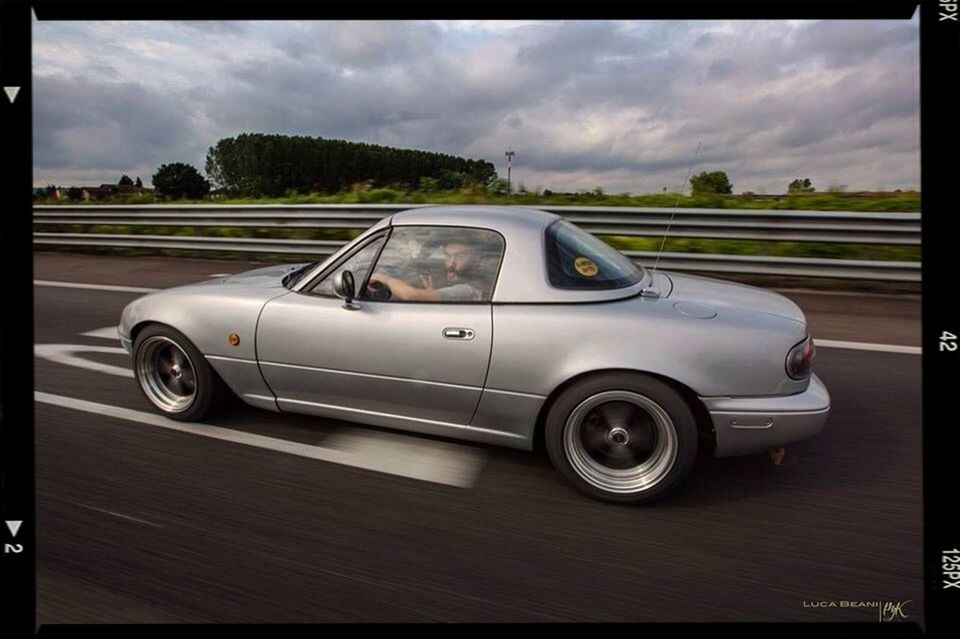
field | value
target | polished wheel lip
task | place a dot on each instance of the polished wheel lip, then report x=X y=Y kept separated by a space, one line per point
x=149 y=364
x=637 y=479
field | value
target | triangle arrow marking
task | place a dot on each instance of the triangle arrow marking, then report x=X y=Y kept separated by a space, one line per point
x=14 y=526
x=12 y=93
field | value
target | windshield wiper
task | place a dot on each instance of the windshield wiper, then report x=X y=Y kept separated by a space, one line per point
x=295 y=276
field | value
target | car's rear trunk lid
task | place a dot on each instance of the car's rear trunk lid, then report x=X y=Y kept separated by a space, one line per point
x=719 y=293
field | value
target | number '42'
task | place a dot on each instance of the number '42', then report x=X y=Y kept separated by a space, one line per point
x=948 y=342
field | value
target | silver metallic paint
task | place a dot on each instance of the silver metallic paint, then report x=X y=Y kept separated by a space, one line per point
x=739 y=352
x=245 y=380
x=413 y=424
x=740 y=422
x=408 y=367
x=388 y=364
x=514 y=414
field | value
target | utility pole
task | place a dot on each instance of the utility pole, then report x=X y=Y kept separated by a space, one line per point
x=509 y=155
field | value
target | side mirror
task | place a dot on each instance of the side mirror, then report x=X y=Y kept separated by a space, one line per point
x=345 y=288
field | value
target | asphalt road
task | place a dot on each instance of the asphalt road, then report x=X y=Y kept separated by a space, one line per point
x=138 y=523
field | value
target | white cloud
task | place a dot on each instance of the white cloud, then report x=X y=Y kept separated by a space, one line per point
x=620 y=105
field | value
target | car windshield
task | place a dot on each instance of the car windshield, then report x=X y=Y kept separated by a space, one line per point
x=577 y=259
x=293 y=277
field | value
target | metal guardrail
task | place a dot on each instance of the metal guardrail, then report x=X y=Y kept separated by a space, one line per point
x=191 y=243
x=735 y=224
x=795 y=226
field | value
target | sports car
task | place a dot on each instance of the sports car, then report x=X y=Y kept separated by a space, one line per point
x=501 y=325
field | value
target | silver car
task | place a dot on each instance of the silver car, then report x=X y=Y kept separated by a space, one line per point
x=506 y=326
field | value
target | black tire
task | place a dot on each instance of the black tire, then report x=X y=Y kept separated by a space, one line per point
x=185 y=402
x=652 y=427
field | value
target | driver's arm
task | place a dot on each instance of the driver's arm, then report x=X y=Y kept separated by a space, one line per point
x=403 y=291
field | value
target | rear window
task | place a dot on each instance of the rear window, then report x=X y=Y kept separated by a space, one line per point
x=576 y=259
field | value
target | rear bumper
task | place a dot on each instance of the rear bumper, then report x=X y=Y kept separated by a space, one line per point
x=745 y=425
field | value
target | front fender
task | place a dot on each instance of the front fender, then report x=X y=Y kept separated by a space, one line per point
x=206 y=315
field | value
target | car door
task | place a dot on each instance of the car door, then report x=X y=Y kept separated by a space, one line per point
x=394 y=362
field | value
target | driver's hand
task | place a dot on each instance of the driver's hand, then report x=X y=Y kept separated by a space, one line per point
x=426 y=281
x=380 y=279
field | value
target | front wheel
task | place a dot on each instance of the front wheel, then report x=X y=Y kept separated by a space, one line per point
x=625 y=438
x=173 y=375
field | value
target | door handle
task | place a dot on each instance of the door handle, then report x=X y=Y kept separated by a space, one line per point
x=458 y=333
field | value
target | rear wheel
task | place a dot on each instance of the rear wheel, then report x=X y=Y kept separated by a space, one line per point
x=173 y=375
x=621 y=437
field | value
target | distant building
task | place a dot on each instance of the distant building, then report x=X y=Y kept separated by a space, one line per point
x=54 y=192
x=88 y=193
x=107 y=191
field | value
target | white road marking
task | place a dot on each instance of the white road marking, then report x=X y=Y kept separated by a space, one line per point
x=107 y=332
x=96 y=287
x=457 y=465
x=99 y=510
x=66 y=354
x=866 y=346
x=110 y=512
x=426 y=460
x=219 y=274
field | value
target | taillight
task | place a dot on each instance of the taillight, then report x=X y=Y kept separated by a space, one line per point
x=800 y=359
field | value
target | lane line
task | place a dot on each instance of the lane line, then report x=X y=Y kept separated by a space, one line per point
x=66 y=354
x=96 y=287
x=866 y=346
x=457 y=465
x=433 y=461
x=100 y=510
x=107 y=332
x=110 y=512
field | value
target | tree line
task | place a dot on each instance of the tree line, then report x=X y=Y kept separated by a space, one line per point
x=256 y=164
x=179 y=180
x=717 y=182
x=271 y=165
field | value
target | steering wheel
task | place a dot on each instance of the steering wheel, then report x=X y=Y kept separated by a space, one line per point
x=378 y=291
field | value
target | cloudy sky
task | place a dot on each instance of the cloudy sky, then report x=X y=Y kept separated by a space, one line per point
x=620 y=105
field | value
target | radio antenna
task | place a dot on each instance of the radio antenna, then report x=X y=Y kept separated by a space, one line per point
x=679 y=195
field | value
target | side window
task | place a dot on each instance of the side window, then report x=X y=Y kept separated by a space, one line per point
x=358 y=264
x=437 y=264
x=578 y=260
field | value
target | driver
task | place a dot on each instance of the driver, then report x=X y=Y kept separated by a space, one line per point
x=461 y=262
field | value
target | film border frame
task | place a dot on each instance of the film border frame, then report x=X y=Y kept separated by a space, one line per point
x=940 y=248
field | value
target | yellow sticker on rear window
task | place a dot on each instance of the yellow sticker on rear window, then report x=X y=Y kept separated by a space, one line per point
x=585 y=266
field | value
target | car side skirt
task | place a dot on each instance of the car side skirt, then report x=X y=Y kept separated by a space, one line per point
x=514 y=414
x=244 y=379
x=400 y=422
